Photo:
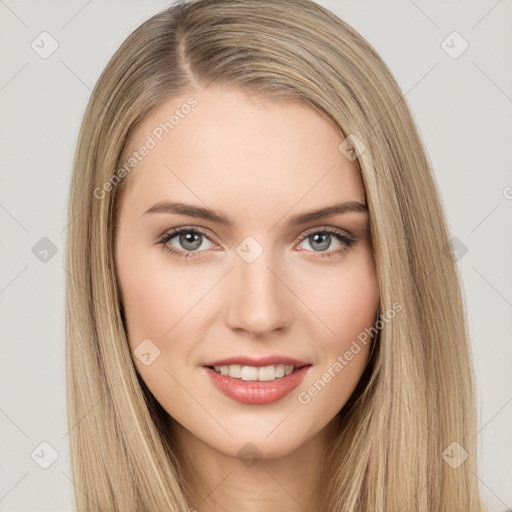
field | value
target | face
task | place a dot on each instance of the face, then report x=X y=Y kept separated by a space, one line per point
x=247 y=276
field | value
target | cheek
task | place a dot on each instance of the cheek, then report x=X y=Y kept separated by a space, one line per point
x=149 y=303
x=346 y=302
x=158 y=307
x=167 y=304
x=157 y=296
x=344 y=298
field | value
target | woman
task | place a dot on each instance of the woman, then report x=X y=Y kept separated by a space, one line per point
x=262 y=310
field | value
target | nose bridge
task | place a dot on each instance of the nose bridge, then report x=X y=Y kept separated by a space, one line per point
x=259 y=301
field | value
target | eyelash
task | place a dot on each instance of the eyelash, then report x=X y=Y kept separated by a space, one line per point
x=169 y=235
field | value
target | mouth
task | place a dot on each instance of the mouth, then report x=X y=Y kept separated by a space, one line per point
x=257 y=373
x=257 y=385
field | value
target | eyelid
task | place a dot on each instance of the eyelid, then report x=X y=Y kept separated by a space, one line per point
x=329 y=229
x=172 y=232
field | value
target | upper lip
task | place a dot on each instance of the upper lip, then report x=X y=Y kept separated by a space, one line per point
x=257 y=361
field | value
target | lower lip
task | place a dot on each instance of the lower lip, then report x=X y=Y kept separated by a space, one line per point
x=257 y=392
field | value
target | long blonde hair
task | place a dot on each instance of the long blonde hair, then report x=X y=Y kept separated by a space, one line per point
x=417 y=395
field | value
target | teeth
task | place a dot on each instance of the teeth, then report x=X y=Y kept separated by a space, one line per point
x=253 y=373
x=249 y=373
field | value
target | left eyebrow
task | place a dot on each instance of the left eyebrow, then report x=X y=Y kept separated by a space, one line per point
x=215 y=216
x=349 y=206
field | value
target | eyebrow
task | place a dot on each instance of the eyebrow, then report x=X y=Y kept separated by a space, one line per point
x=215 y=216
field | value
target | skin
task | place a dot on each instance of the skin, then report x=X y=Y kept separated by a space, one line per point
x=259 y=164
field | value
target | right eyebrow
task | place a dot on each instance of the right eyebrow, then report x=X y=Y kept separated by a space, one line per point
x=190 y=210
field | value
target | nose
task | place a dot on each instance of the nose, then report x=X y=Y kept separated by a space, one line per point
x=259 y=301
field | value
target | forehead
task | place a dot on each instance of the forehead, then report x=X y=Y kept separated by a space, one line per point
x=232 y=149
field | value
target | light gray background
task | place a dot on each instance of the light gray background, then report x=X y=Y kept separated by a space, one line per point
x=463 y=110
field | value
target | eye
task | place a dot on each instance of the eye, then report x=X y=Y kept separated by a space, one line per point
x=190 y=240
x=320 y=240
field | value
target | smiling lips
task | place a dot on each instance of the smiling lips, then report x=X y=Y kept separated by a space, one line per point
x=256 y=381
